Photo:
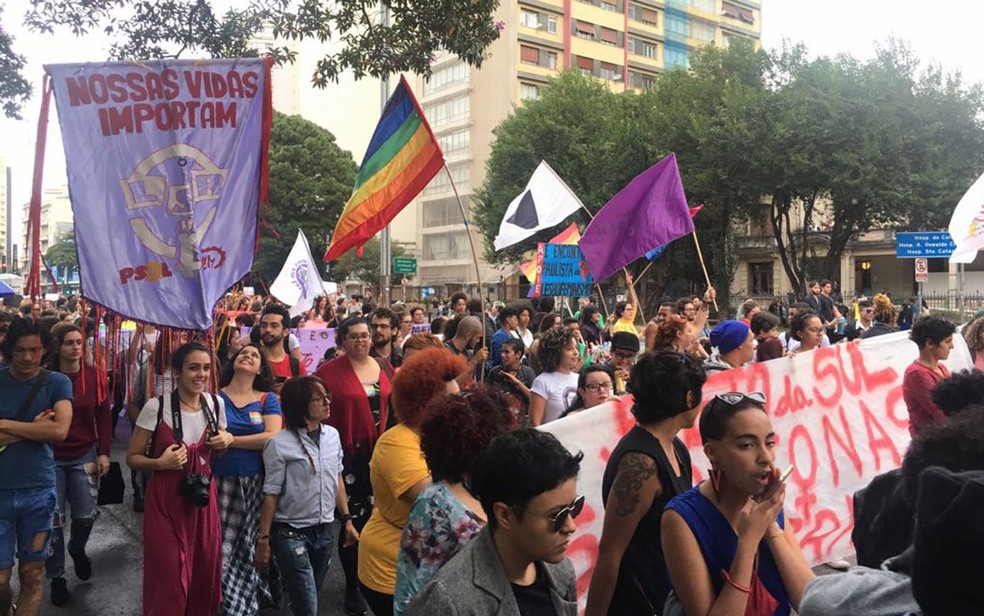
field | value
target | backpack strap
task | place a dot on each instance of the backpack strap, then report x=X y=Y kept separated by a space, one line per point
x=295 y=366
x=25 y=408
x=149 y=452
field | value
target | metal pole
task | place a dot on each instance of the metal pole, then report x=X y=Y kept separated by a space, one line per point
x=961 y=291
x=385 y=262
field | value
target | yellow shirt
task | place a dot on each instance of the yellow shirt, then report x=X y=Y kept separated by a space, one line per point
x=625 y=326
x=397 y=464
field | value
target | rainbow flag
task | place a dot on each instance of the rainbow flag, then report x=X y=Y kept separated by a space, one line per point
x=401 y=160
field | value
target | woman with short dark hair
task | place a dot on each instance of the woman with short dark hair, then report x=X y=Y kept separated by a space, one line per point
x=554 y=389
x=649 y=466
x=934 y=338
x=303 y=489
x=728 y=547
x=446 y=516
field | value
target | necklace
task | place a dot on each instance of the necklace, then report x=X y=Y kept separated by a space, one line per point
x=191 y=406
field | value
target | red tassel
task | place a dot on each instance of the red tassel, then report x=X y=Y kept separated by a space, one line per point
x=358 y=251
x=264 y=200
x=32 y=287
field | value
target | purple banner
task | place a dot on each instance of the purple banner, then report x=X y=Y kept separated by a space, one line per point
x=164 y=166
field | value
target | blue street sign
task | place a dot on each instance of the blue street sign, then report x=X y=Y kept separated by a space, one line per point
x=926 y=244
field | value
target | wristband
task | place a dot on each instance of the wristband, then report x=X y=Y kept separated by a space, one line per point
x=344 y=517
x=734 y=584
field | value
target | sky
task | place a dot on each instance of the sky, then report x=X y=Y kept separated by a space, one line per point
x=944 y=31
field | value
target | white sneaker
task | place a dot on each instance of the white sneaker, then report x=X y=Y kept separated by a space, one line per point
x=839 y=565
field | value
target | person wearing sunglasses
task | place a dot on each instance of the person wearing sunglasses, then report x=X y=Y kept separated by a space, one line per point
x=595 y=385
x=527 y=483
x=649 y=466
x=727 y=546
x=866 y=318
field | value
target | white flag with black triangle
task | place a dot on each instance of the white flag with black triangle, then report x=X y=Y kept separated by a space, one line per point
x=545 y=203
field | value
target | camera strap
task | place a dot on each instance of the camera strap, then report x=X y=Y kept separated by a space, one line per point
x=176 y=425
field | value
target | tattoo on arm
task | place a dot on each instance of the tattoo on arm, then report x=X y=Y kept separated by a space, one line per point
x=635 y=469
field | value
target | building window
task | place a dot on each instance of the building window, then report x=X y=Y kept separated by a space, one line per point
x=610 y=71
x=610 y=6
x=583 y=29
x=529 y=19
x=448 y=111
x=443 y=212
x=609 y=37
x=707 y=6
x=676 y=25
x=760 y=278
x=529 y=91
x=644 y=15
x=642 y=48
x=442 y=246
x=586 y=65
x=551 y=59
x=552 y=23
x=675 y=58
x=529 y=55
x=442 y=184
x=703 y=31
x=453 y=142
x=447 y=77
x=641 y=81
x=736 y=12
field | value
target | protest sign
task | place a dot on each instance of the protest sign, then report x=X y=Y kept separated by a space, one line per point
x=839 y=418
x=315 y=341
x=561 y=271
x=420 y=328
x=165 y=164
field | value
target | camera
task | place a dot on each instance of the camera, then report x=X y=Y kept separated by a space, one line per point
x=195 y=488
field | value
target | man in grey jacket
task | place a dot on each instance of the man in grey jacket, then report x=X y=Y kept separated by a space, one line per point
x=517 y=565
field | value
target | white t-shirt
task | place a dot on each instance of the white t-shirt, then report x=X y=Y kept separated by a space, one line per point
x=292 y=342
x=193 y=424
x=559 y=390
x=789 y=345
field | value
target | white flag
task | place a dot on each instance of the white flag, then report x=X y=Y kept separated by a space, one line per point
x=298 y=282
x=967 y=224
x=545 y=203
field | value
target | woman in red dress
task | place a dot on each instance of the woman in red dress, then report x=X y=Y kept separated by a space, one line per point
x=175 y=437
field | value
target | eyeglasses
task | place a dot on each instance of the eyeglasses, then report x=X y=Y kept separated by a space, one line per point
x=596 y=387
x=326 y=398
x=626 y=356
x=733 y=398
x=357 y=337
x=867 y=310
x=559 y=519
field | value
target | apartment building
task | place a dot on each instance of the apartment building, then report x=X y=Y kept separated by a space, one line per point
x=56 y=220
x=626 y=43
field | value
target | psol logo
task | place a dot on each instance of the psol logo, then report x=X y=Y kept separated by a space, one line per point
x=153 y=271
x=299 y=276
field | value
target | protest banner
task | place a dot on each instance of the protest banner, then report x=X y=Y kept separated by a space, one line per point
x=166 y=169
x=839 y=418
x=315 y=342
x=561 y=271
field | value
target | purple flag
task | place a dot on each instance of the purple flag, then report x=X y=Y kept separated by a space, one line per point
x=650 y=212
x=165 y=160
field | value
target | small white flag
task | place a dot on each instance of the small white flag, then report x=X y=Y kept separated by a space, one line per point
x=545 y=203
x=967 y=224
x=298 y=282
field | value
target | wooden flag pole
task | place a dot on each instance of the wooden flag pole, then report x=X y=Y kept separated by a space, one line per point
x=474 y=253
x=704 y=267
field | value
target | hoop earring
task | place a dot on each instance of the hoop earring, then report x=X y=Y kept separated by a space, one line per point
x=714 y=475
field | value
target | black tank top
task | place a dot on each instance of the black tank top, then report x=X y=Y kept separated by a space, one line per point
x=643 y=580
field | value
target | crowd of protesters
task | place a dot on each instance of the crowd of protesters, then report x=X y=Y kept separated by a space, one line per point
x=411 y=452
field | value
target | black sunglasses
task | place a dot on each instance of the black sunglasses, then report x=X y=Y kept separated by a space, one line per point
x=733 y=398
x=559 y=519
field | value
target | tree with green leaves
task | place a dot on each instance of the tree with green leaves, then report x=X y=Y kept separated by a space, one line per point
x=415 y=32
x=14 y=88
x=311 y=178
x=62 y=254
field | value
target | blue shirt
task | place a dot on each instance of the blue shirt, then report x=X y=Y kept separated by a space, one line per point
x=244 y=421
x=306 y=494
x=495 y=348
x=29 y=464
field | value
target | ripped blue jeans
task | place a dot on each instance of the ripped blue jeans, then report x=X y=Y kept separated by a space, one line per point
x=77 y=487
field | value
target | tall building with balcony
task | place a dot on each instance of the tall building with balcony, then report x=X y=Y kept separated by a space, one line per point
x=626 y=43
x=56 y=220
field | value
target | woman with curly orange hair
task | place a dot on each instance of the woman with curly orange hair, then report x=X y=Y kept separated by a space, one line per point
x=398 y=472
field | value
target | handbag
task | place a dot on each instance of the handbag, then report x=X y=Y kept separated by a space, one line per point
x=111 y=487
